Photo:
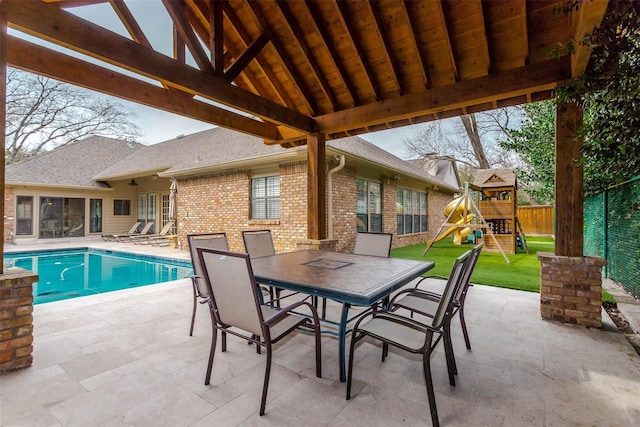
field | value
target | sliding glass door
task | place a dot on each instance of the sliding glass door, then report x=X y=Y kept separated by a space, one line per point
x=61 y=217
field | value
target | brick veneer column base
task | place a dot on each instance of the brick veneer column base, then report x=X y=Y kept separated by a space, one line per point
x=327 y=245
x=16 y=320
x=571 y=289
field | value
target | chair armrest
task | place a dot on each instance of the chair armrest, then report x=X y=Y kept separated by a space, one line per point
x=285 y=311
x=415 y=292
x=406 y=321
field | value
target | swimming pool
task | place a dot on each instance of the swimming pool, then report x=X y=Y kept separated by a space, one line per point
x=71 y=273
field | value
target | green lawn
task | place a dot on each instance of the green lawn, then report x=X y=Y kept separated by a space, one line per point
x=523 y=273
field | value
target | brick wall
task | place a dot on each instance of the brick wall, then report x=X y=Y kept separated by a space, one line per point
x=571 y=289
x=16 y=320
x=221 y=202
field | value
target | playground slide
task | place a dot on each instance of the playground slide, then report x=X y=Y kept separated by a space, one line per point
x=458 y=218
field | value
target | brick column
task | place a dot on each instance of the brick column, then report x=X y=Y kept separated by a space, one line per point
x=571 y=289
x=16 y=320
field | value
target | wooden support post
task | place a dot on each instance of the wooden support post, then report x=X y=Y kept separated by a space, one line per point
x=316 y=188
x=569 y=192
x=3 y=118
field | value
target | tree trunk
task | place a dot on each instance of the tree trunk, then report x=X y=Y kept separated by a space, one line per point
x=470 y=125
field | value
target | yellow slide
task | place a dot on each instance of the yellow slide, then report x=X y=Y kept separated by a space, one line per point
x=457 y=217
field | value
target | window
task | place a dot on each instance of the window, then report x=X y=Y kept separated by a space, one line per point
x=411 y=208
x=369 y=205
x=24 y=215
x=95 y=215
x=121 y=207
x=265 y=197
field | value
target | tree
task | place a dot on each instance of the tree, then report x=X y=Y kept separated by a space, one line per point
x=43 y=113
x=609 y=92
x=534 y=142
x=470 y=139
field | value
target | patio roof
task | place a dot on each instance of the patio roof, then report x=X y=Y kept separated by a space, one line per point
x=282 y=70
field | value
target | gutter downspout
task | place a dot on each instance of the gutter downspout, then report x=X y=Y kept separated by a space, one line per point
x=330 y=191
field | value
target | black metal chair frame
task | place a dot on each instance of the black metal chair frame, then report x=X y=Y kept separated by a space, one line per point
x=211 y=258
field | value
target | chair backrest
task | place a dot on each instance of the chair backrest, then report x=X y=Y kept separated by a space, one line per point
x=375 y=244
x=166 y=228
x=134 y=228
x=207 y=241
x=232 y=287
x=147 y=228
x=461 y=292
x=258 y=243
x=453 y=283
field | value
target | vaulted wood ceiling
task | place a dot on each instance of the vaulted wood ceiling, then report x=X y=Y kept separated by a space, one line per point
x=283 y=69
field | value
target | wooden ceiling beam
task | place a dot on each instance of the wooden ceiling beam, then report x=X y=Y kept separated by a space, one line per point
x=333 y=54
x=287 y=66
x=272 y=80
x=485 y=39
x=407 y=16
x=583 y=21
x=343 y=15
x=216 y=37
x=177 y=14
x=37 y=59
x=246 y=57
x=51 y=23
x=290 y=22
x=129 y=22
x=537 y=77
x=386 y=49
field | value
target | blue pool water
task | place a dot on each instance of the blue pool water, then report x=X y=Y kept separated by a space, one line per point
x=72 y=273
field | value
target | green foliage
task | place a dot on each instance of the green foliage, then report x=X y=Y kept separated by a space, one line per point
x=609 y=92
x=534 y=142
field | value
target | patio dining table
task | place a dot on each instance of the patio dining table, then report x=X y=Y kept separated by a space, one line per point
x=352 y=280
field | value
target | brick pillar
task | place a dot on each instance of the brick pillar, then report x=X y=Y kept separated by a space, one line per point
x=571 y=289
x=16 y=320
x=325 y=244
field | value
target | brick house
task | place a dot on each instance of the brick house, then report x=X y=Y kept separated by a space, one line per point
x=227 y=181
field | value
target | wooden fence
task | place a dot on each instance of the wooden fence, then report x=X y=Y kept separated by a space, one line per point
x=536 y=220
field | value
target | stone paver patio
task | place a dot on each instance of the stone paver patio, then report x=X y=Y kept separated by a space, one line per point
x=125 y=358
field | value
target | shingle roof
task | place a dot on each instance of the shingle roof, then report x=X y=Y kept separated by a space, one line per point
x=72 y=165
x=208 y=149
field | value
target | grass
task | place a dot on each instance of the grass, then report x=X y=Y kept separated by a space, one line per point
x=522 y=274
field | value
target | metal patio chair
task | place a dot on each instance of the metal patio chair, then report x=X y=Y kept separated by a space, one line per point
x=412 y=336
x=236 y=309
x=424 y=299
x=374 y=244
x=258 y=244
x=209 y=241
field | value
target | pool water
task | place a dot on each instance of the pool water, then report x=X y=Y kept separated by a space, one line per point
x=73 y=273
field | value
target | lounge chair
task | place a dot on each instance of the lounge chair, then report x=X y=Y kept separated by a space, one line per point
x=146 y=239
x=127 y=237
x=112 y=237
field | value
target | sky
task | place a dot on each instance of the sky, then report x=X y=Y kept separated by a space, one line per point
x=157 y=125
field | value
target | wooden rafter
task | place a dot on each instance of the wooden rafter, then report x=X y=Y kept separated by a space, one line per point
x=264 y=67
x=51 y=23
x=216 y=41
x=509 y=84
x=37 y=59
x=588 y=16
x=406 y=14
x=287 y=65
x=397 y=77
x=449 y=47
x=188 y=36
x=343 y=15
x=129 y=22
x=307 y=55
x=246 y=57
x=484 y=40
x=333 y=54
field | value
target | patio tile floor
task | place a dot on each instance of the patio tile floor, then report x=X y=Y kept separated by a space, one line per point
x=125 y=358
